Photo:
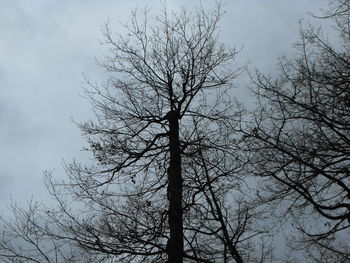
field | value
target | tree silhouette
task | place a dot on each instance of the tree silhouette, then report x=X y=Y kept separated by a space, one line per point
x=167 y=185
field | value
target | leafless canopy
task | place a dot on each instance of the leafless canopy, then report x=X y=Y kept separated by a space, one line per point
x=166 y=99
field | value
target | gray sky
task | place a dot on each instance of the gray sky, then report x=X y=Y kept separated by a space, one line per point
x=46 y=45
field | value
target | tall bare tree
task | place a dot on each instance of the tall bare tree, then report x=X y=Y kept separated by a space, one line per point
x=167 y=185
x=162 y=69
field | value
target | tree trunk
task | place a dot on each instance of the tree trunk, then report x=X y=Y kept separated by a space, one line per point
x=176 y=243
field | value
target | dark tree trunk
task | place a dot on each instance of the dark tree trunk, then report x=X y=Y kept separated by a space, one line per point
x=176 y=243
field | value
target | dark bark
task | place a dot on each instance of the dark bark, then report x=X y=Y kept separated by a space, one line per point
x=176 y=243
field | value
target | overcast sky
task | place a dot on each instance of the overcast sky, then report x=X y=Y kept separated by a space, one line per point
x=46 y=45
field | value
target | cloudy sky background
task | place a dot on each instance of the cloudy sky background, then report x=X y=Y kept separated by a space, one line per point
x=46 y=45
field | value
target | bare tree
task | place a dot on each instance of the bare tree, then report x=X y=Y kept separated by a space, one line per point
x=299 y=140
x=167 y=185
x=162 y=69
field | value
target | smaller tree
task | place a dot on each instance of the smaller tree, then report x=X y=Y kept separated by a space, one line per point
x=300 y=137
x=28 y=235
